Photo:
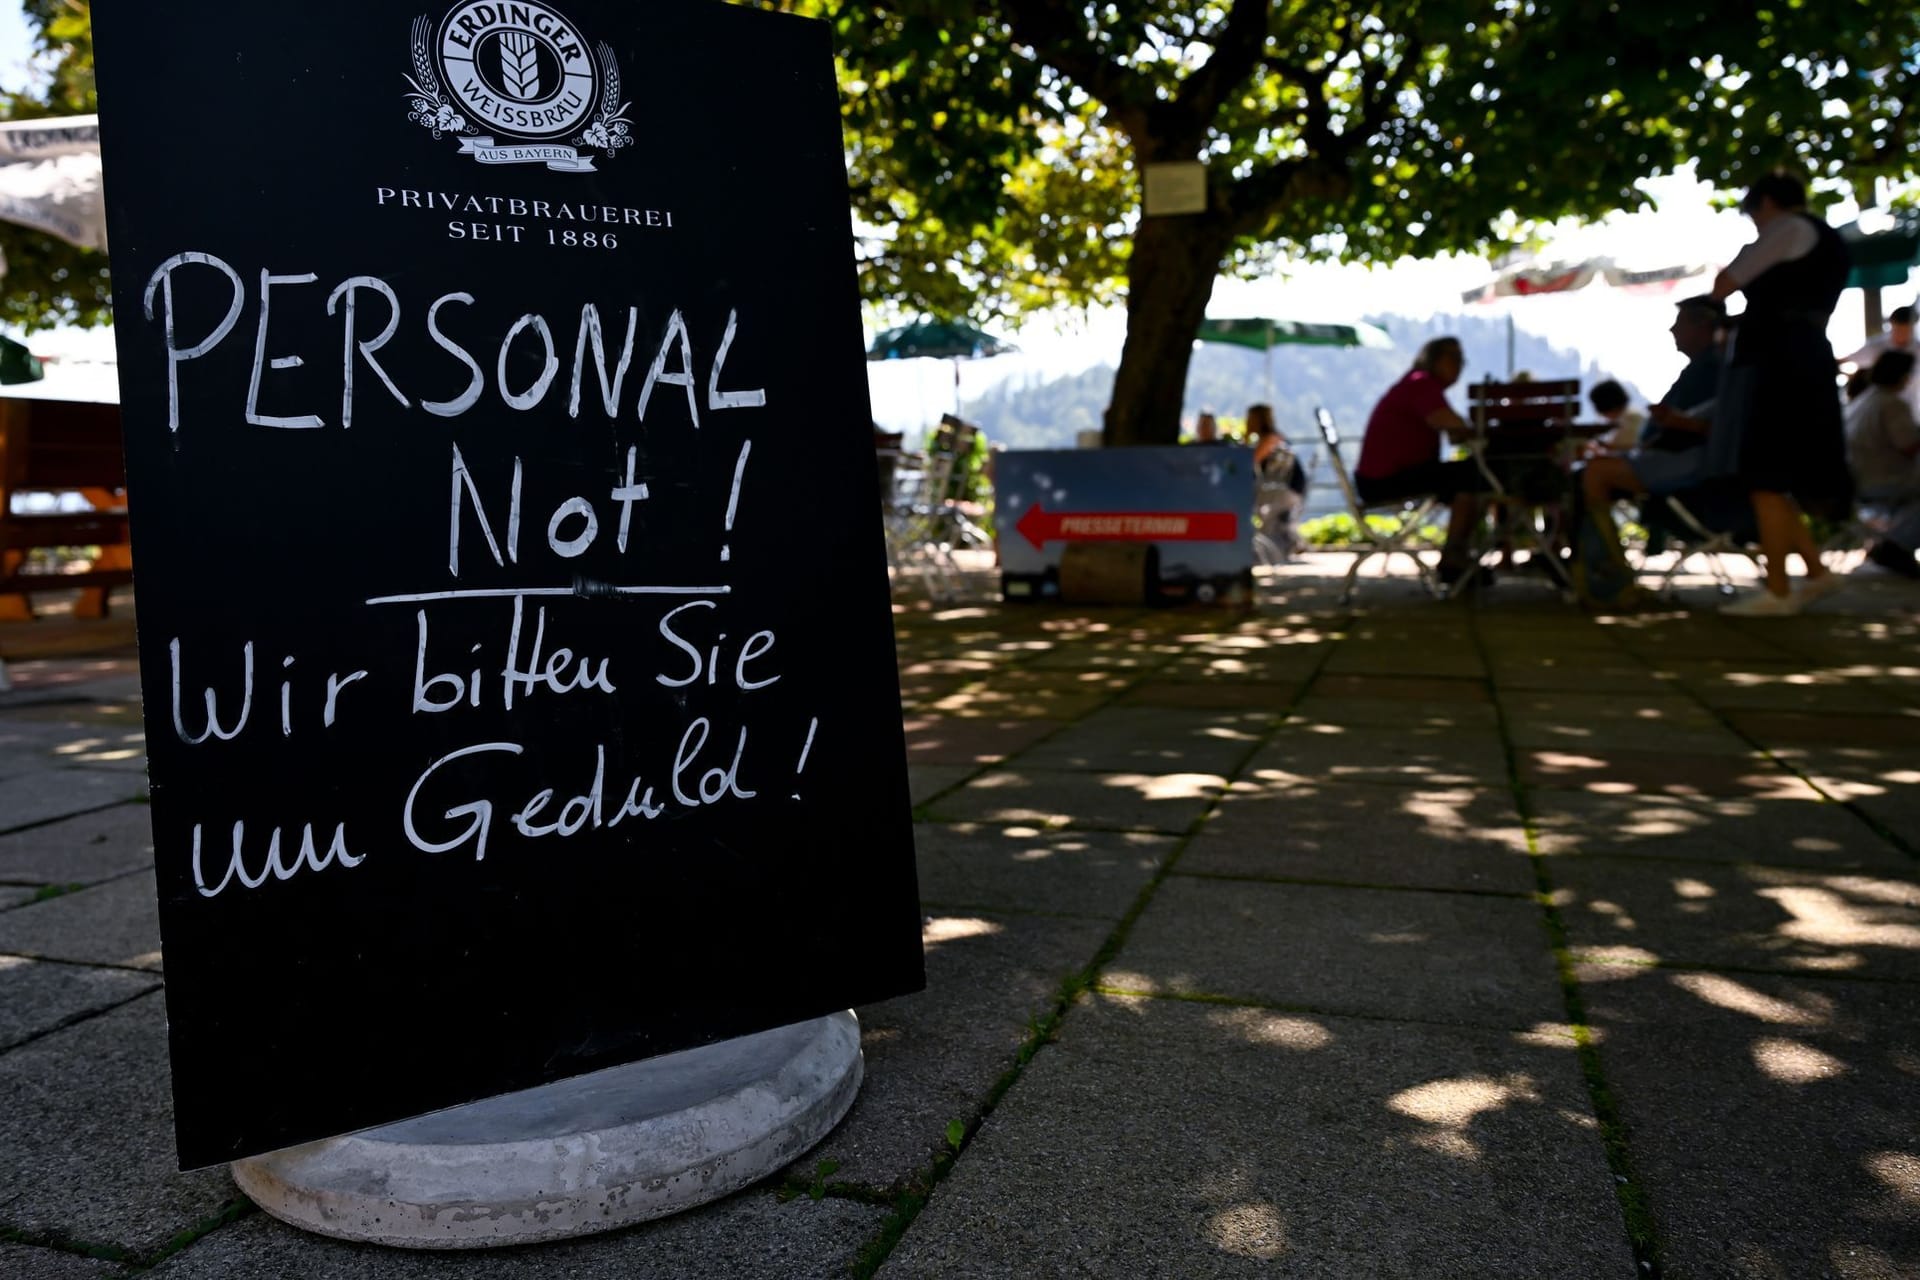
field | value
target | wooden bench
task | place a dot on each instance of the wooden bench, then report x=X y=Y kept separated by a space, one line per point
x=62 y=446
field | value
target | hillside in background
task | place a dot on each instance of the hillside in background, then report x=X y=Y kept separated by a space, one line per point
x=1037 y=413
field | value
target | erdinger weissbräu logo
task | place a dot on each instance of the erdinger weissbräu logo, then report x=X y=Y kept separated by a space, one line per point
x=512 y=78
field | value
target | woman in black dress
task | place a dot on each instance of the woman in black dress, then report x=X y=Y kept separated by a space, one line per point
x=1780 y=390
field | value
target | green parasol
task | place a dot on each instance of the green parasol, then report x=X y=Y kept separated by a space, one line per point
x=939 y=340
x=1265 y=335
x=1882 y=259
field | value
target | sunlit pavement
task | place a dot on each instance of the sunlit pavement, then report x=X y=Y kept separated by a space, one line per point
x=1420 y=939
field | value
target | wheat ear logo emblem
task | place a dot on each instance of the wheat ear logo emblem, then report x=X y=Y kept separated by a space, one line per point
x=515 y=83
x=519 y=66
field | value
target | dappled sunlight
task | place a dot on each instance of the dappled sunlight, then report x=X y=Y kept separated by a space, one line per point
x=942 y=929
x=1254 y=1230
x=1450 y=1106
x=1791 y=1062
x=1621 y=956
x=99 y=750
x=1401 y=938
x=1128 y=982
x=1686 y=887
x=1547 y=1035
x=1294 y=1033
x=1737 y=997
x=1898 y=1173
x=1168 y=786
x=1615 y=914
x=1823 y=917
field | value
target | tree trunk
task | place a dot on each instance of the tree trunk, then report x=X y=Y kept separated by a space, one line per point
x=1169 y=280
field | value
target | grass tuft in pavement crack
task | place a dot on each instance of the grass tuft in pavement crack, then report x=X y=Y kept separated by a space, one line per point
x=232 y=1211
x=1044 y=1028
x=1636 y=1210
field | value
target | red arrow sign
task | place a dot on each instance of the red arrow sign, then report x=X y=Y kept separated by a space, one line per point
x=1040 y=527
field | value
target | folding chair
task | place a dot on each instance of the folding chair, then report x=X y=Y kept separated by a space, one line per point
x=923 y=510
x=1713 y=521
x=1368 y=541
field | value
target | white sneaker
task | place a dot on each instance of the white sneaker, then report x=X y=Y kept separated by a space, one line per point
x=1763 y=604
x=1819 y=588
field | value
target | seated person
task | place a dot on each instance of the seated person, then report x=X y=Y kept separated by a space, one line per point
x=1400 y=453
x=1671 y=457
x=1883 y=443
x=1206 y=430
x=1898 y=337
x=1609 y=400
x=1282 y=481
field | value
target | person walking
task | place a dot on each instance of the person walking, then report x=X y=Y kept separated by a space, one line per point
x=1780 y=386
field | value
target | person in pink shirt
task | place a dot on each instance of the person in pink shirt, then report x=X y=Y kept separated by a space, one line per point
x=1400 y=453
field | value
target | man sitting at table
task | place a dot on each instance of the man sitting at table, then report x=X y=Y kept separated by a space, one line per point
x=1672 y=456
x=1400 y=453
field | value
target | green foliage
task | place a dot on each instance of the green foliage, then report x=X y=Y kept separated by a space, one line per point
x=956 y=1133
x=1338 y=530
x=49 y=281
x=996 y=147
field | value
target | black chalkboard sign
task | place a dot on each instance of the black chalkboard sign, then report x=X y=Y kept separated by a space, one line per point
x=521 y=696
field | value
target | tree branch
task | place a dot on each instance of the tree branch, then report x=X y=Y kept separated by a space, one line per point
x=1056 y=31
x=1240 y=48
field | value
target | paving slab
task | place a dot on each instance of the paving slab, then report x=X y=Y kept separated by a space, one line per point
x=1789 y=687
x=44 y=795
x=1004 y=704
x=1575 y=672
x=1621 y=772
x=1429 y=656
x=926 y=781
x=934 y=1057
x=86 y=1119
x=1462 y=838
x=1155 y=740
x=1564 y=733
x=1398 y=688
x=1168 y=802
x=1664 y=708
x=1800 y=830
x=1277 y=665
x=751 y=1235
x=115 y=923
x=1213 y=695
x=1410 y=756
x=1772 y=1118
x=1798 y=728
x=31 y=1263
x=1394 y=713
x=1742 y=916
x=1389 y=953
x=1087 y=873
x=38 y=996
x=29 y=742
x=970 y=741
x=15 y=895
x=80 y=850
x=1308 y=1147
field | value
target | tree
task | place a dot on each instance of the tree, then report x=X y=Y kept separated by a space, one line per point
x=49 y=281
x=997 y=147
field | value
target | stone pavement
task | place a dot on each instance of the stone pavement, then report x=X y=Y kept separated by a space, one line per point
x=1420 y=940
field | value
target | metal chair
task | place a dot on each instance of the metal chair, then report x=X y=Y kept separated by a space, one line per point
x=1370 y=541
x=1689 y=529
x=923 y=509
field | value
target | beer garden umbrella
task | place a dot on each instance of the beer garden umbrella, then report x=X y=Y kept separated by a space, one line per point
x=939 y=340
x=1264 y=335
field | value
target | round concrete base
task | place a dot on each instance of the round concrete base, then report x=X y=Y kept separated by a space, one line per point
x=588 y=1154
